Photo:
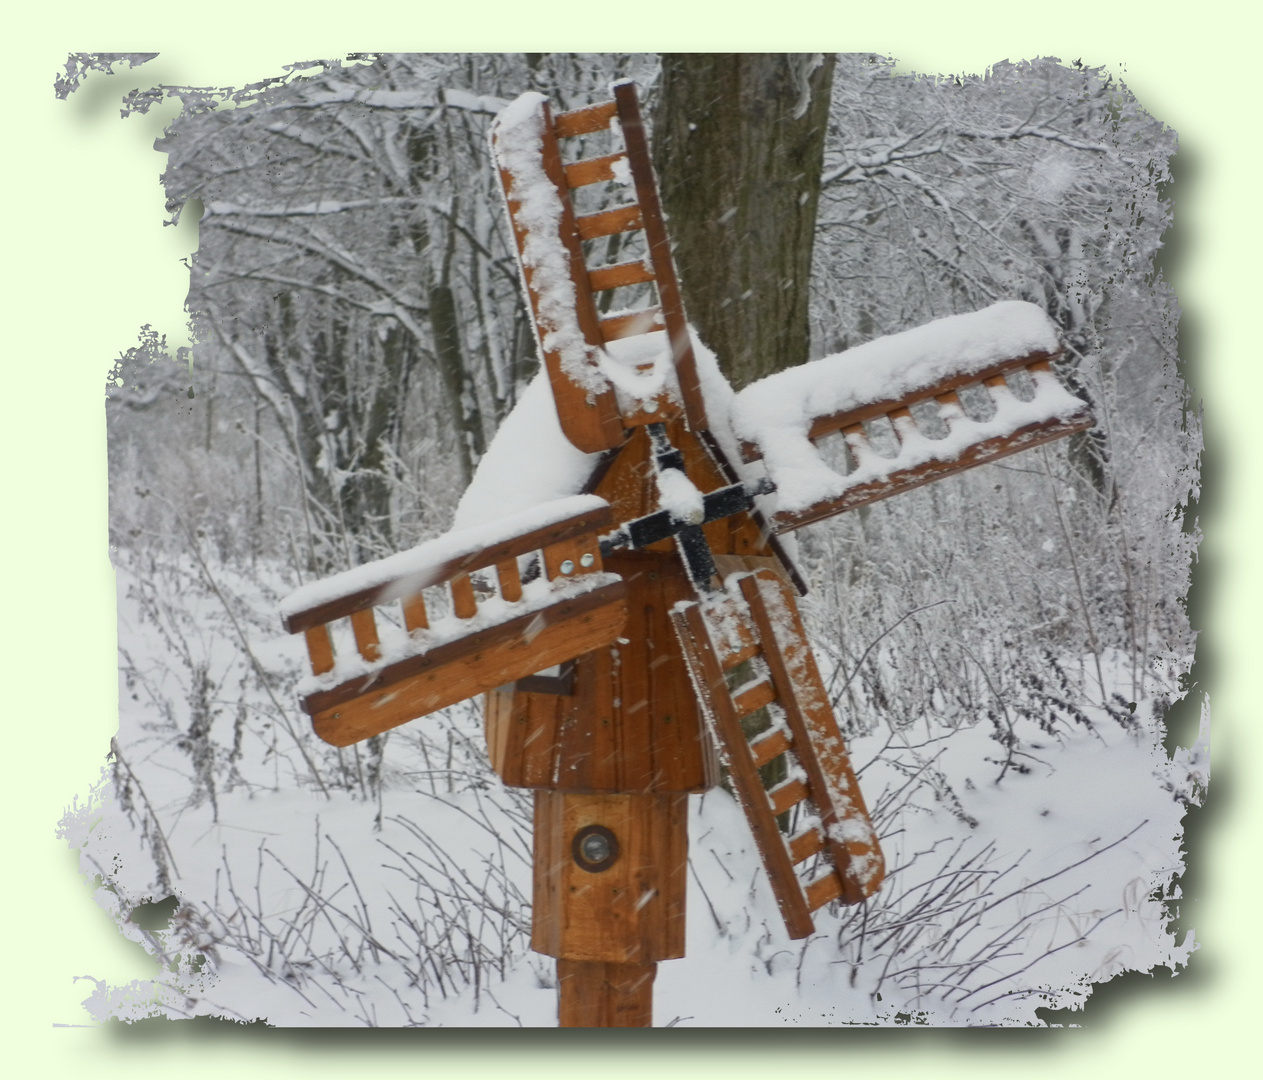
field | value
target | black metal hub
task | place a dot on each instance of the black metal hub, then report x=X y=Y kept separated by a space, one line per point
x=689 y=537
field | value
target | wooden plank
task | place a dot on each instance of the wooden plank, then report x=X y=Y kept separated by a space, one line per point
x=786 y=796
x=364 y=626
x=414 y=613
x=629 y=325
x=607 y=222
x=510 y=580
x=591 y=170
x=805 y=845
x=901 y=480
x=771 y=744
x=713 y=692
x=584 y=121
x=638 y=158
x=824 y=889
x=594 y=521
x=448 y=673
x=752 y=699
x=822 y=426
x=464 y=603
x=618 y=275
x=818 y=743
x=319 y=648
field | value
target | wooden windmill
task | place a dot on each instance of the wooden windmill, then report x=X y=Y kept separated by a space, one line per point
x=648 y=580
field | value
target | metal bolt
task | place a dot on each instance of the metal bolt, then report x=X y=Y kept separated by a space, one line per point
x=587 y=559
x=595 y=848
x=567 y=567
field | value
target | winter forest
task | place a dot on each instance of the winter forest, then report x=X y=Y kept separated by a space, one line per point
x=1002 y=648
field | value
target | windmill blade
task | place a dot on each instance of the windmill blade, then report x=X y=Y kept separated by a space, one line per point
x=575 y=339
x=564 y=604
x=834 y=853
x=900 y=404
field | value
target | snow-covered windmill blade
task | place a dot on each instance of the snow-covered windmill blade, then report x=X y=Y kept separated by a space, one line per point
x=912 y=407
x=460 y=635
x=539 y=185
x=834 y=853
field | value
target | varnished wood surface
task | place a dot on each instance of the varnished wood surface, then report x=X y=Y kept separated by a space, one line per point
x=583 y=121
x=632 y=912
x=595 y=994
x=631 y=722
x=417 y=686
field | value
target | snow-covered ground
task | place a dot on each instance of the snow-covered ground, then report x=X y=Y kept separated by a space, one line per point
x=1012 y=885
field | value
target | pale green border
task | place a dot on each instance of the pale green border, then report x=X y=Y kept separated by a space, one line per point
x=89 y=264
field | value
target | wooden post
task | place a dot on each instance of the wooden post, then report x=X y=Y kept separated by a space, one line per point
x=594 y=993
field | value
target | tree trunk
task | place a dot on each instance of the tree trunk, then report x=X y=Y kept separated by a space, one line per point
x=739 y=150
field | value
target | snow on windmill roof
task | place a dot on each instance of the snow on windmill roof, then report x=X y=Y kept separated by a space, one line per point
x=530 y=461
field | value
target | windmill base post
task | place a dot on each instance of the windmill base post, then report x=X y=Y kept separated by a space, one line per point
x=610 y=881
x=596 y=993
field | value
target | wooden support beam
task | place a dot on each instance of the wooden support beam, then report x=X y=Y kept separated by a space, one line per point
x=596 y=993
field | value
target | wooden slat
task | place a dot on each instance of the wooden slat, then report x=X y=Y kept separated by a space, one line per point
x=319 y=648
x=607 y=222
x=785 y=796
x=584 y=121
x=510 y=580
x=464 y=603
x=364 y=626
x=631 y=324
x=618 y=275
x=805 y=845
x=638 y=157
x=822 y=890
x=749 y=649
x=822 y=426
x=448 y=673
x=756 y=697
x=771 y=744
x=906 y=479
x=408 y=584
x=591 y=170
x=715 y=700
x=414 y=614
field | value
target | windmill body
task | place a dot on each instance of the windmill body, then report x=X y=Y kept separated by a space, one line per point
x=614 y=584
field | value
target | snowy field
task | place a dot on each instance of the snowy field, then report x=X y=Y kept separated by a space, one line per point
x=1016 y=882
